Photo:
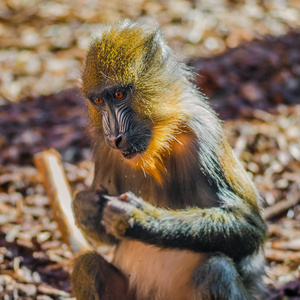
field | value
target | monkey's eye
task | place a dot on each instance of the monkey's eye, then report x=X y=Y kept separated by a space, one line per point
x=119 y=95
x=98 y=100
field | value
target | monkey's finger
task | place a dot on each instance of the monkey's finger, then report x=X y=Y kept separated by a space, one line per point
x=124 y=197
x=100 y=189
x=110 y=198
x=132 y=199
x=115 y=206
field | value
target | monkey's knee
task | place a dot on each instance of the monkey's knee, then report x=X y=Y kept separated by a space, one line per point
x=218 y=279
x=93 y=278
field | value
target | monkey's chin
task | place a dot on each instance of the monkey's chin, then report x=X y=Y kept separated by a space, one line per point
x=132 y=157
x=135 y=158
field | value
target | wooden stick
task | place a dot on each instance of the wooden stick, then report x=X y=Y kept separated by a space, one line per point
x=281 y=206
x=58 y=190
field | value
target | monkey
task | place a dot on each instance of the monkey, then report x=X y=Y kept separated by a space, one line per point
x=168 y=191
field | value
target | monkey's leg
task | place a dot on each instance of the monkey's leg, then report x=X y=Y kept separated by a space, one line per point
x=218 y=279
x=93 y=278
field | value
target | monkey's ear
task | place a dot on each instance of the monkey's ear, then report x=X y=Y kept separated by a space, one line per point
x=160 y=43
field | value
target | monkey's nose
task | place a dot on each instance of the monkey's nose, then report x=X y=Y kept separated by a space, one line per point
x=117 y=141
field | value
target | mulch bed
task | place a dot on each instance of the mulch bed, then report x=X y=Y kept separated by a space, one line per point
x=255 y=88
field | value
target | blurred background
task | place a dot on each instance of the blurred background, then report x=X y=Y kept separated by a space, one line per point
x=246 y=55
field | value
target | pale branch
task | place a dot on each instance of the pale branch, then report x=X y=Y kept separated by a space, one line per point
x=49 y=164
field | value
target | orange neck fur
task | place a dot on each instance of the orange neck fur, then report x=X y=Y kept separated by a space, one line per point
x=153 y=162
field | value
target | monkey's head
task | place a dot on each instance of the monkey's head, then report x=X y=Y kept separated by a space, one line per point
x=135 y=86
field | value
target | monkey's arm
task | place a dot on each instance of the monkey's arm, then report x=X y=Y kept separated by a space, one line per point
x=234 y=230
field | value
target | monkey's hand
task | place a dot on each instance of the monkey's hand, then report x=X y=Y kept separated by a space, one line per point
x=120 y=213
x=88 y=211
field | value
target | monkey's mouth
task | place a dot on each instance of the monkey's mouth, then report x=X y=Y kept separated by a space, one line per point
x=131 y=153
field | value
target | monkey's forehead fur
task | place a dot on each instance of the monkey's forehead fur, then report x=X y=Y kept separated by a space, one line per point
x=131 y=53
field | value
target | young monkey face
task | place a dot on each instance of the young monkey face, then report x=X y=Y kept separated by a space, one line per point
x=124 y=130
x=135 y=95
